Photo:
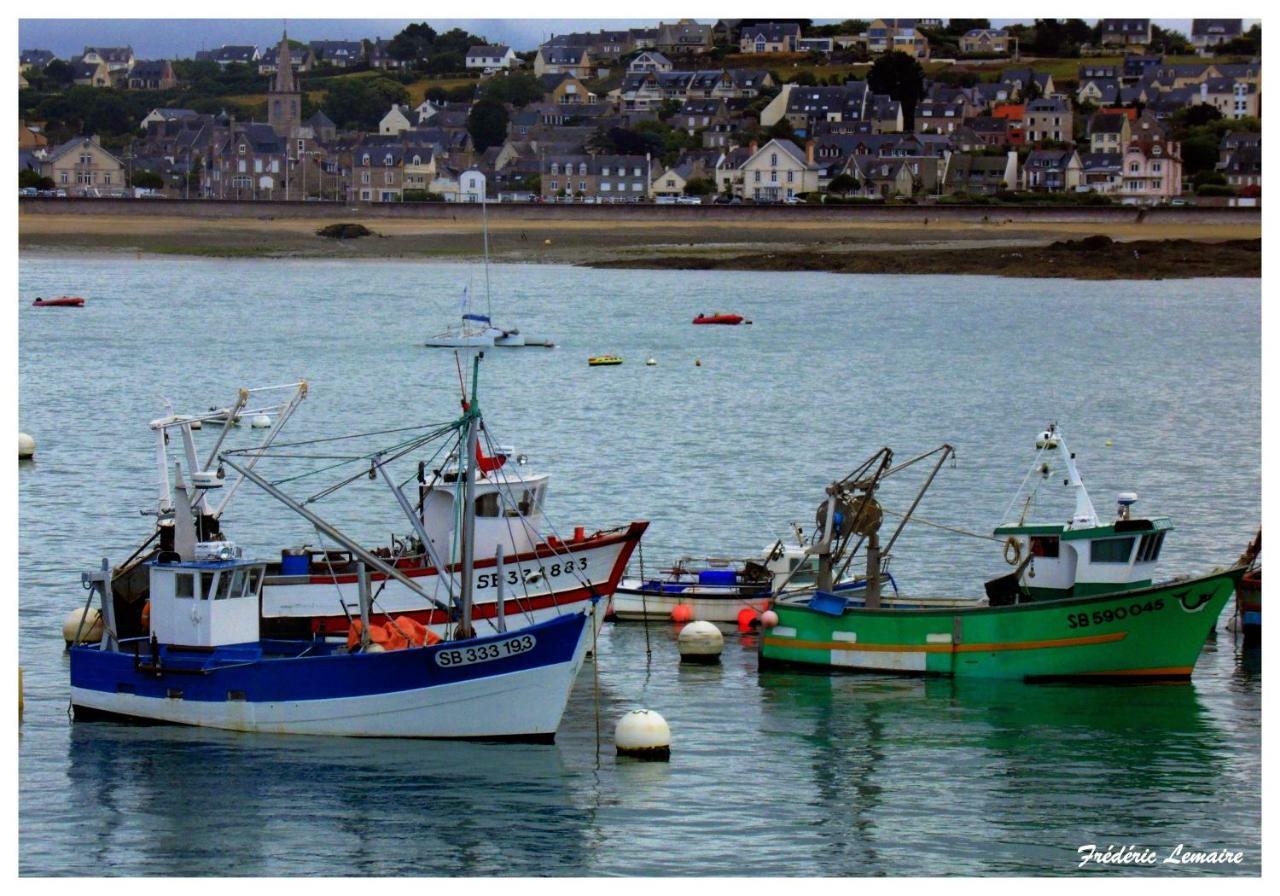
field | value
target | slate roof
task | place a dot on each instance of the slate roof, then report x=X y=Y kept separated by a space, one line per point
x=39 y=58
x=488 y=51
x=771 y=32
x=1228 y=28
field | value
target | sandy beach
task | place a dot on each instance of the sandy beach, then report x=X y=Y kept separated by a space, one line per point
x=922 y=245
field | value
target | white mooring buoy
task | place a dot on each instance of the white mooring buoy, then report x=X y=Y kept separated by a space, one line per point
x=700 y=642
x=643 y=734
x=92 y=630
x=651 y=363
x=26 y=446
x=261 y=421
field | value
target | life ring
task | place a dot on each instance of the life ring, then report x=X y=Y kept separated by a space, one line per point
x=1011 y=544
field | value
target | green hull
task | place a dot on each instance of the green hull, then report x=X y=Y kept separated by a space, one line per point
x=1149 y=633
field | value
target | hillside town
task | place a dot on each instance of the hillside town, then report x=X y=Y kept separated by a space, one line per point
x=732 y=112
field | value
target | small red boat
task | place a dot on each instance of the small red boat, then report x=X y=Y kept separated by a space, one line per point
x=719 y=318
x=59 y=302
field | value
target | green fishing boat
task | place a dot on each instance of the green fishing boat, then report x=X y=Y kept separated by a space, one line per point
x=1080 y=603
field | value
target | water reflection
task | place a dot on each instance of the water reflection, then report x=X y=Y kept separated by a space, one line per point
x=209 y=803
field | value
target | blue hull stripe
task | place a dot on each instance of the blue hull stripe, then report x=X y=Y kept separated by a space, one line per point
x=277 y=671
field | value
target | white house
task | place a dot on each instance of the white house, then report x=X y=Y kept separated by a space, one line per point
x=490 y=58
x=396 y=121
x=471 y=186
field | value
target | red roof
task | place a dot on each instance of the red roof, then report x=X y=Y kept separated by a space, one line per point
x=1010 y=111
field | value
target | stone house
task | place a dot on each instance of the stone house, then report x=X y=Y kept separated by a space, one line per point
x=650 y=61
x=980 y=175
x=82 y=167
x=1051 y=170
x=90 y=74
x=611 y=178
x=1152 y=169
x=1125 y=32
x=1100 y=172
x=988 y=42
x=152 y=74
x=1108 y=132
x=552 y=60
x=769 y=37
x=1208 y=33
x=1047 y=119
x=779 y=170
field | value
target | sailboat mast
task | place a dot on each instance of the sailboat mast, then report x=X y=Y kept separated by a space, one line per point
x=469 y=505
x=484 y=217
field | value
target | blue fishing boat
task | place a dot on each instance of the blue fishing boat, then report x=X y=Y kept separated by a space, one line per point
x=204 y=661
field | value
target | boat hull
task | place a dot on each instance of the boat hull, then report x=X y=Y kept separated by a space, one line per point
x=440 y=692
x=1151 y=633
x=64 y=302
x=634 y=604
x=539 y=585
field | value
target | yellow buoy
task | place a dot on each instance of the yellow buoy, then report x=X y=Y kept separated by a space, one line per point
x=546 y=242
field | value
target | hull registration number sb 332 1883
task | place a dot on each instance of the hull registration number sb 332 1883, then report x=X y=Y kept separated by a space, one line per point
x=484 y=653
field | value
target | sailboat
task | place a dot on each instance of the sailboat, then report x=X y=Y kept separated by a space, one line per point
x=478 y=330
x=205 y=662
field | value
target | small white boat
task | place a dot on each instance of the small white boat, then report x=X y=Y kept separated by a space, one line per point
x=717 y=589
x=478 y=330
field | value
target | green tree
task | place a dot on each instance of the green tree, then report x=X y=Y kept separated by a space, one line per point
x=487 y=124
x=29 y=178
x=902 y=78
x=517 y=88
x=699 y=186
x=59 y=73
x=844 y=184
x=360 y=103
x=147 y=180
x=1199 y=153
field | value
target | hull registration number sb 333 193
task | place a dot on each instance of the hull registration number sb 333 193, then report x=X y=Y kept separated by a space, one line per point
x=484 y=653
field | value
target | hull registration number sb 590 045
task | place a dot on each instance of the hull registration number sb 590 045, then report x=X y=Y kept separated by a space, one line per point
x=484 y=653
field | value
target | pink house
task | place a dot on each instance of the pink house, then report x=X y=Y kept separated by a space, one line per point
x=1151 y=170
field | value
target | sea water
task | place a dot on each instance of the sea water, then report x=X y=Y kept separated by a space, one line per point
x=1155 y=384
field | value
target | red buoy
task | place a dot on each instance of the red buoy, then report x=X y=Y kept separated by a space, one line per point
x=681 y=613
x=747 y=619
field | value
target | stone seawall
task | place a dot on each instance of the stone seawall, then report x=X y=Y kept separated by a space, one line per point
x=197 y=209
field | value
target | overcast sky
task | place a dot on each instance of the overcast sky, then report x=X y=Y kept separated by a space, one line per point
x=181 y=38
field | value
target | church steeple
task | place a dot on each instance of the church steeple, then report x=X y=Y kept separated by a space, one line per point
x=284 y=68
x=284 y=101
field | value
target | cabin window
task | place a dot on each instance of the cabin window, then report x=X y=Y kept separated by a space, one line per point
x=1149 y=547
x=224 y=587
x=1044 y=546
x=236 y=589
x=1110 y=550
x=206 y=585
x=526 y=502
x=487 y=505
x=255 y=578
x=183 y=585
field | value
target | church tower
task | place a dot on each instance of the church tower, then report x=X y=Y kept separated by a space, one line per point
x=284 y=101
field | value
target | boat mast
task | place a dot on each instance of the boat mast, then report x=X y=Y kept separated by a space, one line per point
x=484 y=217
x=472 y=422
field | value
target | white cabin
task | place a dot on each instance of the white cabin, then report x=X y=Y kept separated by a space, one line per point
x=208 y=603
x=509 y=504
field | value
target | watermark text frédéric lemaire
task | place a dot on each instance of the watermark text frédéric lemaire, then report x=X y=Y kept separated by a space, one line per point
x=1093 y=854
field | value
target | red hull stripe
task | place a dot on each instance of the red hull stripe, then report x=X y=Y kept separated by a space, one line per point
x=515 y=606
x=632 y=535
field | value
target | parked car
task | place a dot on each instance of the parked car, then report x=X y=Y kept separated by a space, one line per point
x=689 y=200
x=665 y=200
x=793 y=200
x=28 y=191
